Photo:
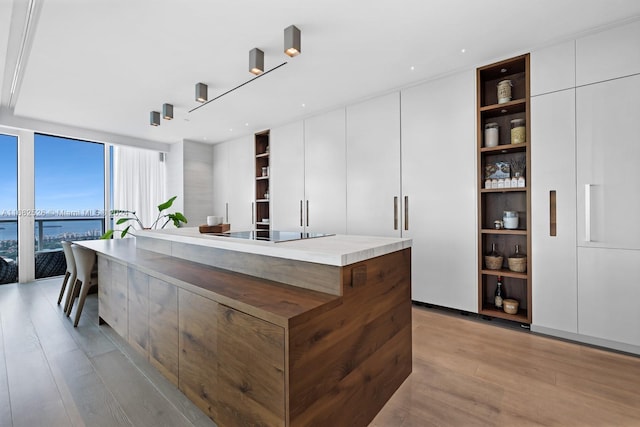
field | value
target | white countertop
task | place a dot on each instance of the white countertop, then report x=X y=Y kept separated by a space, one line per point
x=337 y=250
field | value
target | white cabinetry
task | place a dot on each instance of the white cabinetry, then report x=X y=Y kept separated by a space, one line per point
x=233 y=182
x=308 y=175
x=553 y=68
x=554 y=230
x=608 y=54
x=608 y=236
x=325 y=173
x=438 y=182
x=609 y=294
x=241 y=165
x=287 y=177
x=608 y=164
x=373 y=167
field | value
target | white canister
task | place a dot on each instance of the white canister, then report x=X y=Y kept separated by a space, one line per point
x=491 y=133
x=504 y=91
x=510 y=220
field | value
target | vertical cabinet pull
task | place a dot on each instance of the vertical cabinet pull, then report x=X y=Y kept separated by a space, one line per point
x=406 y=213
x=307 y=213
x=587 y=212
x=301 y=213
x=253 y=212
x=552 y=213
x=226 y=212
x=395 y=213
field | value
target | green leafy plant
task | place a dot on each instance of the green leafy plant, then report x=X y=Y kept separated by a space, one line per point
x=177 y=218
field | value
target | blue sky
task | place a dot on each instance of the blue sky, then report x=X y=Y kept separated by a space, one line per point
x=69 y=174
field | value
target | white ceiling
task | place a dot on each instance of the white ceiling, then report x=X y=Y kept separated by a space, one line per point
x=105 y=64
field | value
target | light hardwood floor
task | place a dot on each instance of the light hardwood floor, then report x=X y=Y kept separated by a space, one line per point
x=465 y=373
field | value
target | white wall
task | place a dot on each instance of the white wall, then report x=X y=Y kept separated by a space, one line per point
x=175 y=175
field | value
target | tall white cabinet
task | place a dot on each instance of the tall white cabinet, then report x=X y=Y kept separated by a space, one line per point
x=587 y=276
x=233 y=182
x=438 y=182
x=287 y=177
x=608 y=180
x=325 y=207
x=553 y=196
x=373 y=167
x=308 y=175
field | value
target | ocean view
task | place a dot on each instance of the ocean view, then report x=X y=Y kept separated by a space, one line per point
x=49 y=232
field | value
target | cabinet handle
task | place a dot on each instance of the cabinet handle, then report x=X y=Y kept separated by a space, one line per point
x=307 y=213
x=226 y=212
x=395 y=213
x=301 y=213
x=552 y=213
x=587 y=212
x=406 y=213
x=253 y=212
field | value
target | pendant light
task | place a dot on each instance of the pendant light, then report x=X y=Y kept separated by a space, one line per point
x=154 y=118
x=167 y=111
x=292 y=41
x=256 y=61
x=201 y=92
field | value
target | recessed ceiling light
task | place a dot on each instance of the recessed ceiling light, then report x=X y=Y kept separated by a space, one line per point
x=303 y=105
x=204 y=138
x=230 y=130
x=504 y=70
x=463 y=50
x=246 y=124
x=412 y=68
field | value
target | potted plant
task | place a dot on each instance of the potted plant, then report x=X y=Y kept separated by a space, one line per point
x=177 y=217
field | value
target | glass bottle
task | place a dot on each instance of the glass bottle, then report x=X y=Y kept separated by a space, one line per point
x=499 y=295
x=494 y=252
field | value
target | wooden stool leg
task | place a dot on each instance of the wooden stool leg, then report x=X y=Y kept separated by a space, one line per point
x=84 y=290
x=64 y=286
x=71 y=296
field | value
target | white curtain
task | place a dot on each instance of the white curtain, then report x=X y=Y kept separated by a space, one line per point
x=139 y=182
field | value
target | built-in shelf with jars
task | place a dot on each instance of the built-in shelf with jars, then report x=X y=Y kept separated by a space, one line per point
x=262 y=210
x=504 y=190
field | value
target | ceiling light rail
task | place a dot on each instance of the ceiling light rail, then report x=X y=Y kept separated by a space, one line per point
x=239 y=86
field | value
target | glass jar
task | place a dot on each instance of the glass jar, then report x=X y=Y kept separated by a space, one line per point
x=491 y=133
x=518 y=133
x=510 y=220
x=504 y=91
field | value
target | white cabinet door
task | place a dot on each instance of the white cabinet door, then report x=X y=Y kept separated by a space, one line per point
x=438 y=181
x=608 y=295
x=241 y=183
x=608 y=159
x=608 y=54
x=553 y=156
x=286 y=179
x=325 y=173
x=553 y=68
x=373 y=167
x=220 y=180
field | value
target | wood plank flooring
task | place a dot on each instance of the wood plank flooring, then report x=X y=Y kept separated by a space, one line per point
x=465 y=373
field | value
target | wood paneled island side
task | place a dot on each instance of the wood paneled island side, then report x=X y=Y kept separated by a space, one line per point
x=302 y=333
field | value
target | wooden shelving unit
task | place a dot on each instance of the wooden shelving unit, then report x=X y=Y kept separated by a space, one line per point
x=262 y=204
x=492 y=202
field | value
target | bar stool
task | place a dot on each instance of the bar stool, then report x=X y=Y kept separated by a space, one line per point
x=85 y=260
x=69 y=276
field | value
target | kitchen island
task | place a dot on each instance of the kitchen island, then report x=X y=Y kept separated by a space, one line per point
x=305 y=332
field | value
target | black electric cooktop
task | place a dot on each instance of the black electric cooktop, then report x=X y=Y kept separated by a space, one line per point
x=272 y=236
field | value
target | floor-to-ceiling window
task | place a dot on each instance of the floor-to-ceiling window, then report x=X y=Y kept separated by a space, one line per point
x=69 y=197
x=8 y=209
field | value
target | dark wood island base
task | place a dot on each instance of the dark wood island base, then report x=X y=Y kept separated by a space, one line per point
x=251 y=351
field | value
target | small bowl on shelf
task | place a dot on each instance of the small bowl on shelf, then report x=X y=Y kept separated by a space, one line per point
x=510 y=306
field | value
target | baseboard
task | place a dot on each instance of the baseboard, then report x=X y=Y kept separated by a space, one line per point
x=586 y=339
